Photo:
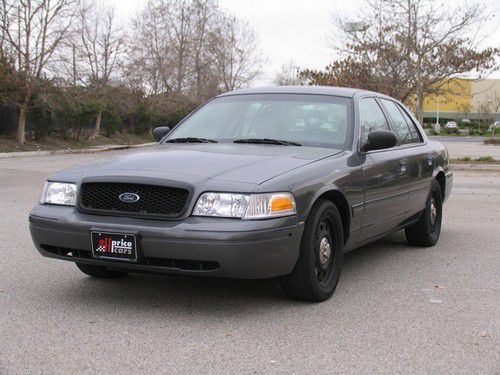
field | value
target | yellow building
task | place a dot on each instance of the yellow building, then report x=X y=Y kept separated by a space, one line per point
x=464 y=98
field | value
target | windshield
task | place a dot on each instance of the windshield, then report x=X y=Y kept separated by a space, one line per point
x=308 y=120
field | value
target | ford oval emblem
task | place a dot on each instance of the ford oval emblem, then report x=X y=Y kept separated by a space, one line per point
x=129 y=197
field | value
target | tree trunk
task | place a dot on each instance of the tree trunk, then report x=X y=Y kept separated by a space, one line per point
x=21 y=124
x=97 y=128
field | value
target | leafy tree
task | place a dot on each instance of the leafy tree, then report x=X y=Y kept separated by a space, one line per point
x=407 y=47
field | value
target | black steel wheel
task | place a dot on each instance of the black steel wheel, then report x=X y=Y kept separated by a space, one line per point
x=426 y=231
x=317 y=271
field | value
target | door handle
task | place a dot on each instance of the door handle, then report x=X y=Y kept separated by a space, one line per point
x=402 y=166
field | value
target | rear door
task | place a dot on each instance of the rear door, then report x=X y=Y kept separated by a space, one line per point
x=385 y=174
x=420 y=163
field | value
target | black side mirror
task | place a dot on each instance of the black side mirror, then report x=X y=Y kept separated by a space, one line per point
x=160 y=132
x=379 y=140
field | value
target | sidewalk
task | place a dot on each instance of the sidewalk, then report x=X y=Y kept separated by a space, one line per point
x=475 y=167
x=468 y=147
x=100 y=148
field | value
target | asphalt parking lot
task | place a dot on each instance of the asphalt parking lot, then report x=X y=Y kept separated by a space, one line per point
x=397 y=309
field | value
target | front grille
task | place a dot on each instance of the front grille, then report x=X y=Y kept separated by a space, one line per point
x=153 y=200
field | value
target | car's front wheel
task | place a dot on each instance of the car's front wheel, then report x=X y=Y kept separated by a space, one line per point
x=317 y=271
x=100 y=272
x=425 y=232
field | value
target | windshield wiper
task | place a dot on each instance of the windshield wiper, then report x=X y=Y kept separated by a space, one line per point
x=267 y=141
x=190 y=140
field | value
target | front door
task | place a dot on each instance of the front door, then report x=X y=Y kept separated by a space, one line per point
x=386 y=194
x=386 y=177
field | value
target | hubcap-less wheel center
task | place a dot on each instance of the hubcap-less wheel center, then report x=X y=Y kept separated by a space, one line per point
x=324 y=252
x=433 y=212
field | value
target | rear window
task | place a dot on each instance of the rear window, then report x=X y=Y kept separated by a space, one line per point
x=415 y=133
x=401 y=127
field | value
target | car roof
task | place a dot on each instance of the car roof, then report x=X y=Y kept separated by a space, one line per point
x=315 y=90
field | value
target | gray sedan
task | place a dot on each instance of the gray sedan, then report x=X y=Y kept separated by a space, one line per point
x=258 y=183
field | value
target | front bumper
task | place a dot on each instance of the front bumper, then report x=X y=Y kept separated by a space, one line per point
x=207 y=246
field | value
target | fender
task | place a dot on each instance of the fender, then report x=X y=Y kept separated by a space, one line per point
x=338 y=196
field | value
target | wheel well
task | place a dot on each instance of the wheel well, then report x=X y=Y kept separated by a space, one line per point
x=338 y=199
x=441 y=179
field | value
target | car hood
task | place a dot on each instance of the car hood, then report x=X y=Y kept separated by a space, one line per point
x=192 y=163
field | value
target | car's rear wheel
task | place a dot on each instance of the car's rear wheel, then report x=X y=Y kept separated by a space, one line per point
x=426 y=231
x=100 y=271
x=317 y=271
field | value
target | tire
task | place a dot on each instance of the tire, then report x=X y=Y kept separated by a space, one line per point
x=317 y=271
x=425 y=232
x=100 y=272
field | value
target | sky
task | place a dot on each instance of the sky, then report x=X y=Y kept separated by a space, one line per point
x=297 y=29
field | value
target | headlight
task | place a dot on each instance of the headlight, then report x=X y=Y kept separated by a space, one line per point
x=245 y=206
x=58 y=193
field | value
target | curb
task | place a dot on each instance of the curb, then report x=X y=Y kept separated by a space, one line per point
x=5 y=155
x=475 y=167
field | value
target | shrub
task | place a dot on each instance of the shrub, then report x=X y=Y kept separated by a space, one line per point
x=40 y=121
x=492 y=141
x=142 y=120
x=173 y=119
x=485 y=159
x=111 y=121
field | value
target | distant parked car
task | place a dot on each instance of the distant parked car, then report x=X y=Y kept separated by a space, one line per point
x=451 y=127
x=494 y=126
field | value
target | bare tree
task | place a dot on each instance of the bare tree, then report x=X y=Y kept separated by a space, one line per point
x=495 y=102
x=96 y=47
x=158 y=47
x=238 y=58
x=288 y=75
x=486 y=116
x=179 y=15
x=147 y=68
x=206 y=14
x=466 y=108
x=32 y=30
x=190 y=48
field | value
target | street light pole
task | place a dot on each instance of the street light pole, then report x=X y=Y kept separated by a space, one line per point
x=437 y=127
x=437 y=116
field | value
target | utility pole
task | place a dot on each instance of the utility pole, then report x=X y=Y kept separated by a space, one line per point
x=295 y=74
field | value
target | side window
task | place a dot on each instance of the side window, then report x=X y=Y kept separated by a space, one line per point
x=371 y=117
x=417 y=138
x=400 y=125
